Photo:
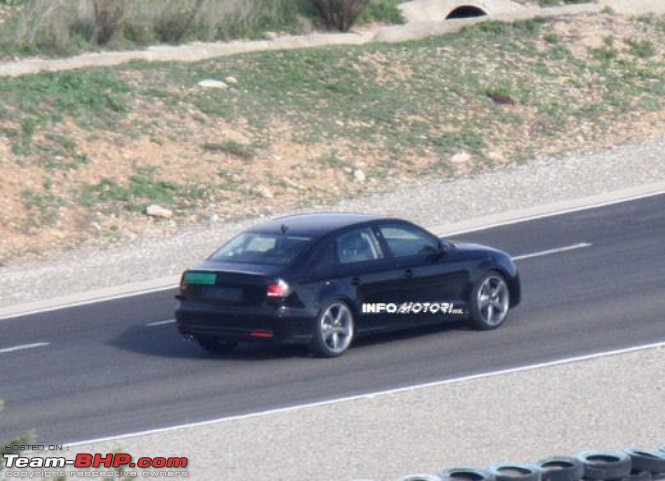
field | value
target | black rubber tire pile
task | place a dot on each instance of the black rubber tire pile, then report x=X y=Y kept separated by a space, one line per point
x=633 y=464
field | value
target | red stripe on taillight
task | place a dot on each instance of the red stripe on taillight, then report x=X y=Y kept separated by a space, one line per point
x=262 y=334
x=278 y=289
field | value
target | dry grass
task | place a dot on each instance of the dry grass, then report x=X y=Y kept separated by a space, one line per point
x=54 y=24
x=174 y=20
x=67 y=26
x=64 y=27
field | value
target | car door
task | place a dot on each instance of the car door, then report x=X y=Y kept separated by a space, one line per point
x=373 y=279
x=431 y=279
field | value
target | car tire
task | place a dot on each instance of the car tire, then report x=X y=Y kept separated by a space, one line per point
x=603 y=465
x=215 y=346
x=646 y=460
x=490 y=302
x=465 y=474
x=561 y=468
x=334 y=329
x=515 y=472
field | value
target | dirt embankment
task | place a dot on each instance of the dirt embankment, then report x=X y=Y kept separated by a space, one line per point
x=83 y=153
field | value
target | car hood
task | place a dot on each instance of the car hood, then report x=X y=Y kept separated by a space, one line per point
x=469 y=250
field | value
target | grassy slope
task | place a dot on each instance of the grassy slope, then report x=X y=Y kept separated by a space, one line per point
x=83 y=152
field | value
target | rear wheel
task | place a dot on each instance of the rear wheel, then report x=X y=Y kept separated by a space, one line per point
x=215 y=346
x=334 y=330
x=490 y=301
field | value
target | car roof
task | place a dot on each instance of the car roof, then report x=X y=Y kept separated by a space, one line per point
x=315 y=224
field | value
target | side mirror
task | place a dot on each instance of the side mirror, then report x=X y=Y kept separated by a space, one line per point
x=441 y=251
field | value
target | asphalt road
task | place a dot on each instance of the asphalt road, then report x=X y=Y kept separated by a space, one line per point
x=103 y=371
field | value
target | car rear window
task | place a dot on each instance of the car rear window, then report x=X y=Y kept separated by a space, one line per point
x=262 y=248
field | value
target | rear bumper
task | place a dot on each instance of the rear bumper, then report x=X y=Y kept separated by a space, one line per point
x=228 y=323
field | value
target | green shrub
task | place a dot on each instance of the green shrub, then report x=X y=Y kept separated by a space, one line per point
x=385 y=11
x=641 y=48
x=340 y=14
x=109 y=18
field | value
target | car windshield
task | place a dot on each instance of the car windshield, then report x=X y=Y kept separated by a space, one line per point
x=261 y=248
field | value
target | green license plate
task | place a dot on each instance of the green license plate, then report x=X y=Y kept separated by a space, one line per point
x=201 y=278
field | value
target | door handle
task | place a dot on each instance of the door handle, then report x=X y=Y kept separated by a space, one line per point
x=355 y=281
x=408 y=274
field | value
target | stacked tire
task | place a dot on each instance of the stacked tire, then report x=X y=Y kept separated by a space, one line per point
x=632 y=464
x=561 y=468
x=647 y=464
x=465 y=474
x=515 y=472
x=605 y=465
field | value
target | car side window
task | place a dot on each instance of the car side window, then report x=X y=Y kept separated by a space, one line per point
x=358 y=245
x=404 y=240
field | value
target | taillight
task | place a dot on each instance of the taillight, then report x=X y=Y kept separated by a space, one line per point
x=278 y=289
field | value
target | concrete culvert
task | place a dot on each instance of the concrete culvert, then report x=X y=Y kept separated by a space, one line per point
x=466 y=11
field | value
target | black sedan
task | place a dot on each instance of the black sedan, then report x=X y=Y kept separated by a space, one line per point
x=324 y=279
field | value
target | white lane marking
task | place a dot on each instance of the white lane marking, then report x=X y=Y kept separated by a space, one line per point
x=548 y=252
x=24 y=346
x=160 y=323
x=373 y=395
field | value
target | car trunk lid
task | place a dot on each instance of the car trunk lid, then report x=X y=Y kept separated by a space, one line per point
x=228 y=283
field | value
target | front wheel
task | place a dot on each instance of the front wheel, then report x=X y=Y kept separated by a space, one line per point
x=334 y=330
x=490 y=301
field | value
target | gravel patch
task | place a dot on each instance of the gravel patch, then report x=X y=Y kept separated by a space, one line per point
x=611 y=403
x=539 y=182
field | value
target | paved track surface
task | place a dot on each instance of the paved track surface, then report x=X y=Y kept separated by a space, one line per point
x=105 y=372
